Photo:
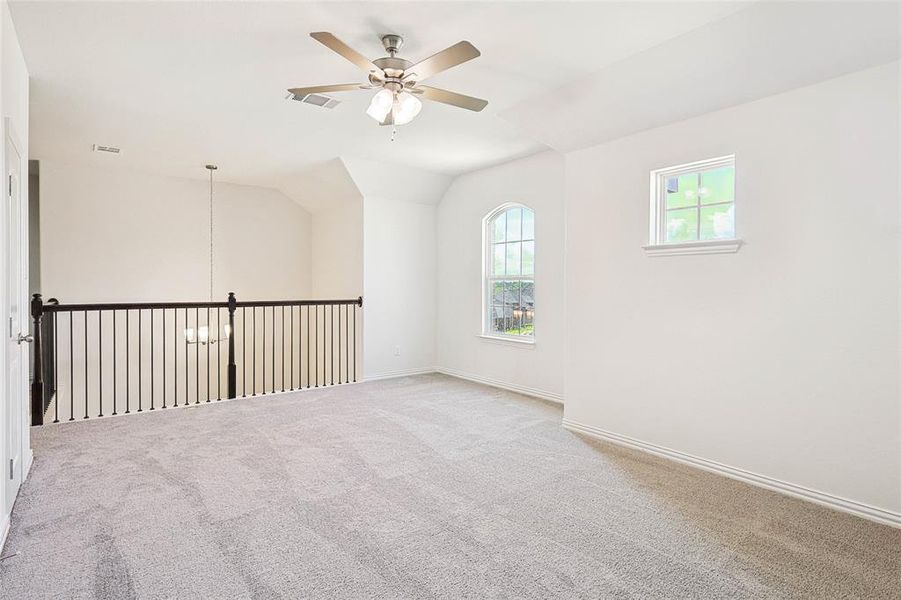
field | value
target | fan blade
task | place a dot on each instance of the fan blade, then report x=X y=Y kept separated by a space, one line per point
x=340 y=87
x=452 y=98
x=449 y=57
x=327 y=39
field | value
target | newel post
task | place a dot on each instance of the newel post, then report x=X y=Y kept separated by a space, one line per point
x=37 y=382
x=232 y=368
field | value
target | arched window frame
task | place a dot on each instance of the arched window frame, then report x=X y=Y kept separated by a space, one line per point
x=489 y=279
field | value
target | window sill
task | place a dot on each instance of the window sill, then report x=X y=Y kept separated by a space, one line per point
x=528 y=344
x=711 y=247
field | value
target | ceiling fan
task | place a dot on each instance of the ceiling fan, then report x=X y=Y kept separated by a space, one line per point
x=397 y=101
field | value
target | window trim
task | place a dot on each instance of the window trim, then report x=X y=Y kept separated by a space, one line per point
x=657 y=246
x=485 y=331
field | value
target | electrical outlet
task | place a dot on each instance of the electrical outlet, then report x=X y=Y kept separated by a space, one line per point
x=397 y=351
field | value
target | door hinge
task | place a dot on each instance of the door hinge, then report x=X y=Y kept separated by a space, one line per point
x=10 y=192
x=11 y=469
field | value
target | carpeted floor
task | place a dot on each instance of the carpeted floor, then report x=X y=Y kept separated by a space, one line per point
x=419 y=487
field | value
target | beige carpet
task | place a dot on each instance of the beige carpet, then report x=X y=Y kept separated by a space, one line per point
x=409 y=488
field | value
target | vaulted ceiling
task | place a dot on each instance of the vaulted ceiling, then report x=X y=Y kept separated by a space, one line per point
x=180 y=84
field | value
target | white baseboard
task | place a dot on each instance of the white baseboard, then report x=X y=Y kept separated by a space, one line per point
x=5 y=519
x=873 y=513
x=401 y=373
x=4 y=531
x=512 y=387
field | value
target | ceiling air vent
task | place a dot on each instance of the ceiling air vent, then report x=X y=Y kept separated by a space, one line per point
x=107 y=149
x=316 y=100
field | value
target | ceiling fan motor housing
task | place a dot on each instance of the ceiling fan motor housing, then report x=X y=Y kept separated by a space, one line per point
x=392 y=43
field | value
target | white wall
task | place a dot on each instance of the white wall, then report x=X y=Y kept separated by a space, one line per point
x=399 y=286
x=338 y=251
x=14 y=105
x=112 y=235
x=782 y=359
x=537 y=182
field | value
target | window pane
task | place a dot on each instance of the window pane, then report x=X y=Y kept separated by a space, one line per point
x=498 y=320
x=511 y=293
x=528 y=258
x=513 y=258
x=718 y=222
x=497 y=292
x=682 y=190
x=527 y=299
x=499 y=259
x=528 y=224
x=500 y=227
x=527 y=302
x=717 y=185
x=514 y=224
x=681 y=225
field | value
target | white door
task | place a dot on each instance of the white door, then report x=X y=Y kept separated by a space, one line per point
x=16 y=324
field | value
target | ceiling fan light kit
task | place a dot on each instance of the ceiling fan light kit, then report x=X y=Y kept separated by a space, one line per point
x=397 y=102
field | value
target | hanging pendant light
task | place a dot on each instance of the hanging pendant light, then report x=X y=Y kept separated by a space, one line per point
x=202 y=334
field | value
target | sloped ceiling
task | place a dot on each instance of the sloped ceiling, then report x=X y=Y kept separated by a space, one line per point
x=769 y=48
x=321 y=186
x=397 y=182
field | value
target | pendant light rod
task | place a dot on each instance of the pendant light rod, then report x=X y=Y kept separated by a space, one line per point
x=211 y=168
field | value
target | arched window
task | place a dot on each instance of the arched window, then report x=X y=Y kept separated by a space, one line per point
x=509 y=285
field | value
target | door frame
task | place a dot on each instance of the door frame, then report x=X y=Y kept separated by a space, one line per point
x=11 y=138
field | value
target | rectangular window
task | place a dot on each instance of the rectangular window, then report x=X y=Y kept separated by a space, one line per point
x=693 y=203
x=510 y=273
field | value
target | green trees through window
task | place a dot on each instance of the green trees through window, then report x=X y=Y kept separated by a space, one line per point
x=698 y=205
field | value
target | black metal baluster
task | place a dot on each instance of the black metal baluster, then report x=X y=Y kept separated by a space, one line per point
x=85 y=364
x=187 y=366
x=100 y=361
x=219 y=358
x=127 y=362
x=140 y=359
x=152 y=371
x=292 y=346
x=308 y=346
x=71 y=368
x=339 y=344
x=254 y=350
x=330 y=320
x=355 y=342
x=175 y=356
x=244 y=351
x=264 y=349
x=114 y=363
x=316 y=345
x=273 y=350
x=209 y=340
x=346 y=346
x=56 y=366
x=283 y=348
x=164 y=357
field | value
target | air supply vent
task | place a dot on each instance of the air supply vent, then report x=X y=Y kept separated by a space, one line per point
x=316 y=100
x=107 y=149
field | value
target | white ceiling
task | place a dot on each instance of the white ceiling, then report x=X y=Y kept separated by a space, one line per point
x=180 y=84
x=766 y=49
